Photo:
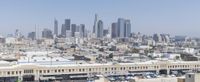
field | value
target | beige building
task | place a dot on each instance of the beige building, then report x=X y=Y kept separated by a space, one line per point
x=192 y=77
x=37 y=71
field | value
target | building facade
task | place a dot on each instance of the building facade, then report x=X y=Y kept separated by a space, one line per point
x=114 y=31
x=37 y=71
x=32 y=35
x=99 y=33
x=47 y=33
x=55 y=27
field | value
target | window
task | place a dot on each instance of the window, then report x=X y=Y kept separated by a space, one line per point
x=155 y=67
x=189 y=76
x=48 y=71
x=28 y=71
x=89 y=69
x=83 y=70
x=79 y=70
x=44 y=71
x=8 y=73
x=40 y=71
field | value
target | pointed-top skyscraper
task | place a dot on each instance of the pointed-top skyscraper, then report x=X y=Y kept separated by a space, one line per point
x=95 y=23
x=98 y=27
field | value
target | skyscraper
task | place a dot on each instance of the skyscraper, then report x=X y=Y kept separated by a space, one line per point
x=82 y=30
x=47 y=33
x=63 y=30
x=114 y=31
x=105 y=32
x=157 y=38
x=127 y=30
x=55 y=27
x=121 y=27
x=67 y=24
x=32 y=35
x=77 y=32
x=65 y=27
x=165 y=37
x=73 y=29
x=99 y=29
x=77 y=28
x=95 y=23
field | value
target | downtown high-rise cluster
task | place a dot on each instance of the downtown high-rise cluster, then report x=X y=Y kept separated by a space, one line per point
x=119 y=29
x=69 y=30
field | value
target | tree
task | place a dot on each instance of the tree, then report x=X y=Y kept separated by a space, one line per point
x=177 y=57
x=134 y=50
x=110 y=55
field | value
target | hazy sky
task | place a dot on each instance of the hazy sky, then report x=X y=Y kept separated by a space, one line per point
x=177 y=17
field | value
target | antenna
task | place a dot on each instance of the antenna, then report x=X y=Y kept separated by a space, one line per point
x=38 y=32
x=35 y=33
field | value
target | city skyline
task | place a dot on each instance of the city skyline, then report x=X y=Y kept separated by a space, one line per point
x=146 y=17
x=99 y=41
